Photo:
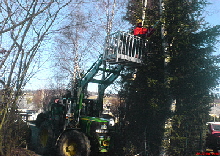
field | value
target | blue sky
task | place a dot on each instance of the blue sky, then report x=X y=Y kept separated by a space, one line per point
x=211 y=14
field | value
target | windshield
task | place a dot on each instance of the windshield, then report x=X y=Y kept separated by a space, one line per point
x=216 y=127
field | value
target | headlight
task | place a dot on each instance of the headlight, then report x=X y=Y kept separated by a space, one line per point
x=111 y=122
x=101 y=131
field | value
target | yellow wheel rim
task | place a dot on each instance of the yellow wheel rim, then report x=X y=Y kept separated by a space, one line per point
x=69 y=148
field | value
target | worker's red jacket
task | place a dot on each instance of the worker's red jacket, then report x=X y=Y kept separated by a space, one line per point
x=143 y=31
x=140 y=31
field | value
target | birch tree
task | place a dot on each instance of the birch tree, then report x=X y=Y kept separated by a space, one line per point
x=23 y=27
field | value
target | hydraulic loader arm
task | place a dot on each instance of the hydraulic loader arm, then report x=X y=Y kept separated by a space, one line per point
x=91 y=73
x=108 y=77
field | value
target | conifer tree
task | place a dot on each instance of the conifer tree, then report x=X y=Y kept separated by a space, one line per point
x=192 y=71
x=187 y=77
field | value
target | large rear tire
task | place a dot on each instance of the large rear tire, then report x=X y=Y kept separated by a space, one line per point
x=45 y=139
x=74 y=143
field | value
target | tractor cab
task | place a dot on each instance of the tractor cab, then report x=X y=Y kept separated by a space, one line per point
x=89 y=107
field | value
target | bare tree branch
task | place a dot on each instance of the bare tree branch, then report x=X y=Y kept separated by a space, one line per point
x=22 y=31
x=31 y=16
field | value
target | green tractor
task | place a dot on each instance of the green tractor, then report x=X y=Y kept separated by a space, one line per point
x=61 y=132
x=74 y=125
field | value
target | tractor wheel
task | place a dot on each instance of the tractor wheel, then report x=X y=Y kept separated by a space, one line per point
x=74 y=143
x=45 y=140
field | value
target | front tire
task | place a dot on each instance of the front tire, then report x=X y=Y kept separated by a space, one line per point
x=74 y=143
